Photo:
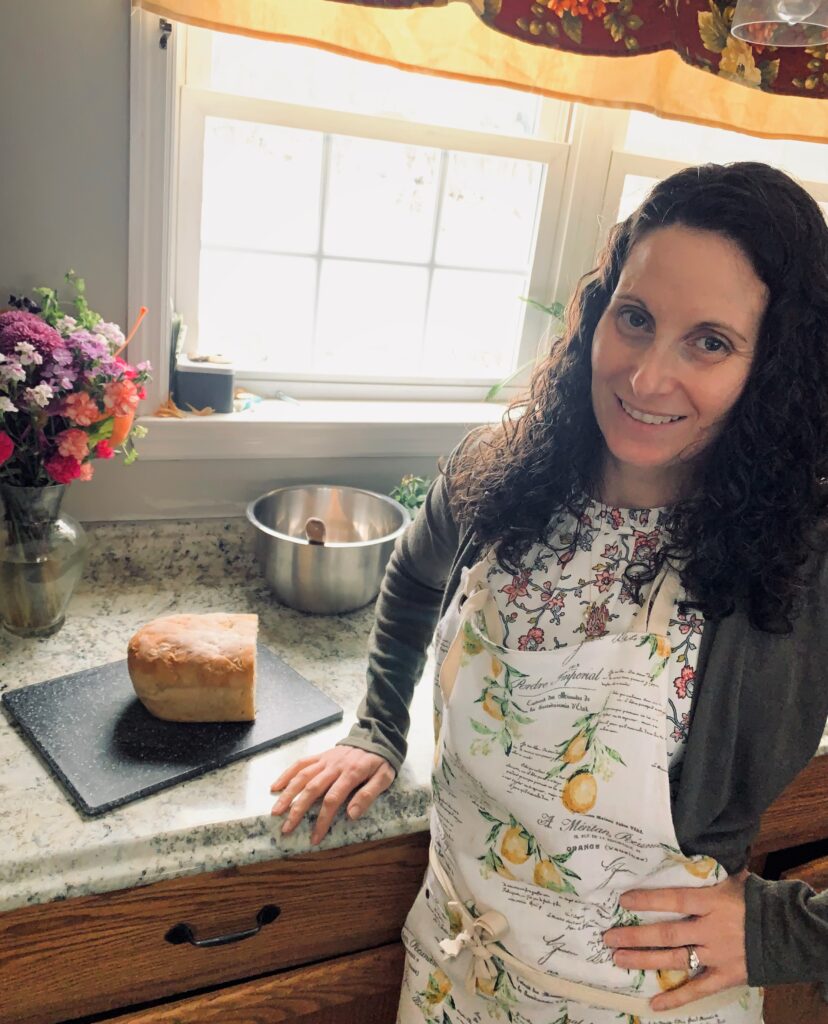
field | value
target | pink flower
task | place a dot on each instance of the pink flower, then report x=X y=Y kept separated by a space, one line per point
x=596 y=622
x=86 y=471
x=646 y=544
x=120 y=397
x=604 y=579
x=550 y=598
x=103 y=450
x=17 y=326
x=685 y=682
x=63 y=469
x=519 y=587
x=531 y=641
x=6 y=447
x=80 y=408
x=74 y=443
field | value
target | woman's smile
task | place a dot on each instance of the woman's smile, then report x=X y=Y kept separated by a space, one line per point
x=650 y=419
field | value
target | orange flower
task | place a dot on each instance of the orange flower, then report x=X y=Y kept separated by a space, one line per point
x=73 y=442
x=588 y=9
x=86 y=471
x=120 y=397
x=81 y=409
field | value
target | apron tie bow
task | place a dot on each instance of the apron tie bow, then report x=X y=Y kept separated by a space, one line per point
x=478 y=934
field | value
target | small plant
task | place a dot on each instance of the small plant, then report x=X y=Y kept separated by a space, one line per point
x=556 y=312
x=411 y=492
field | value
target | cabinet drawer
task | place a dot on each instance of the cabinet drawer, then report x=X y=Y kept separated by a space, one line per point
x=102 y=952
x=349 y=990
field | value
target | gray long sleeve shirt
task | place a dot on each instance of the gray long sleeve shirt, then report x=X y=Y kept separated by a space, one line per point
x=758 y=713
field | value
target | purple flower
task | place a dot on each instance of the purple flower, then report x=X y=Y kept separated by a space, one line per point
x=17 y=326
x=88 y=345
x=62 y=356
x=112 y=332
x=60 y=376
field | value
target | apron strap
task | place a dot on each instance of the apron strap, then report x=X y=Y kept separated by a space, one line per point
x=475 y=597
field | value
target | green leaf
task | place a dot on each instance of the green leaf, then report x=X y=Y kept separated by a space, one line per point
x=495 y=389
x=484 y=730
x=631 y=43
x=505 y=739
x=494 y=832
x=770 y=72
x=624 y=7
x=712 y=29
x=572 y=27
x=634 y=21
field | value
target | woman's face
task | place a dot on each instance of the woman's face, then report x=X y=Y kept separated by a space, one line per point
x=672 y=352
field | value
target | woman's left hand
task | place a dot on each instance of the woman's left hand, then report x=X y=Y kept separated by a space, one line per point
x=715 y=927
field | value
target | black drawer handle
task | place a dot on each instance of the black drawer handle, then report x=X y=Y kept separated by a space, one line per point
x=184 y=932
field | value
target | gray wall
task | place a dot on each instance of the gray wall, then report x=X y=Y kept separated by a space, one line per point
x=64 y=147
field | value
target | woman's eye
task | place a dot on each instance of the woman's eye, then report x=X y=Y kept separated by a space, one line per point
x=712 y=344
x=633 y=318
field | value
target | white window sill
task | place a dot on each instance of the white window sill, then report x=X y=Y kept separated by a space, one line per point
x=316 y=429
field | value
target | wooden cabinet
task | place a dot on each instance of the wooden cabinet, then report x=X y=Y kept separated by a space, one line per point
x=68 y=959
x=330 y=955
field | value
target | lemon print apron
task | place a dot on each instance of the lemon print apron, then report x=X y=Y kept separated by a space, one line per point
x=550 y=800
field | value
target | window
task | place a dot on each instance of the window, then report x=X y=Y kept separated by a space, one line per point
x=344 y=225
x=656 y=147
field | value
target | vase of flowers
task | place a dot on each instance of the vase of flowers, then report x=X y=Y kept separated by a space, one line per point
x=67 y=399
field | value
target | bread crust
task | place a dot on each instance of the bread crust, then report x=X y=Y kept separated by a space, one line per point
x=196 y=668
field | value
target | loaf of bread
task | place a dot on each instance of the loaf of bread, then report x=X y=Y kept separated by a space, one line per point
x=196 y=668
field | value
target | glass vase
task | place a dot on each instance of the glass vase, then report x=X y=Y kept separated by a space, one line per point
x=42 y=555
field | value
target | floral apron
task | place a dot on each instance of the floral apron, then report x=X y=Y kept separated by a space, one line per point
x=551 y=799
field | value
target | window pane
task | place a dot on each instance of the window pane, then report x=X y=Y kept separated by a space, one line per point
x=304 y=75
x=261 y=186
x=474 y=323
x=488 y=212
x=381 y=200
x=636 y=187
x=257 y=309
x=370 y=319
x=693 y=143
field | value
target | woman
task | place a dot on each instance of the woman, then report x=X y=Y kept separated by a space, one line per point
x=628 y=576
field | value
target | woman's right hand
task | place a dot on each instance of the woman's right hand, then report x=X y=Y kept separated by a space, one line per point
x=332 y=775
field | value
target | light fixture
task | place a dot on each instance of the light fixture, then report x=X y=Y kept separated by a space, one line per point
x=782 y=22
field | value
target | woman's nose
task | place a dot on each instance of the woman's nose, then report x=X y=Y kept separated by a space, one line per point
x=654 y=372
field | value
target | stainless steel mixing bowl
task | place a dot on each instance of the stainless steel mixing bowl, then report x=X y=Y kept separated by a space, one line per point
x=323 y=548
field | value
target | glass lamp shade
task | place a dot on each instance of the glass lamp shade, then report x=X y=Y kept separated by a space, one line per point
x=782 y=22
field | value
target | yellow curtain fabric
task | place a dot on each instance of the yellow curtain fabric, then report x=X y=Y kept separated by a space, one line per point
x=457 y=40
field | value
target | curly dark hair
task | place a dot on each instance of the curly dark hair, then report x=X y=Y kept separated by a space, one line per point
x=754 y=503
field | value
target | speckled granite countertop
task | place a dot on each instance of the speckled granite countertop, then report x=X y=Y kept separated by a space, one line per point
x=136 y=572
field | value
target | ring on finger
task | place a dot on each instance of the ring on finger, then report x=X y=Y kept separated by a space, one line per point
x=693 y=962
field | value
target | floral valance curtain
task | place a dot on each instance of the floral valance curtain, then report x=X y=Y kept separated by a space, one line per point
x=672 y=57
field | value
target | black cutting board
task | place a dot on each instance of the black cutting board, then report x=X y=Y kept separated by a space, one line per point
x=107 y=749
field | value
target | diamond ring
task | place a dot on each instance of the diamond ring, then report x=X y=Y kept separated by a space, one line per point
x=693 y=961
